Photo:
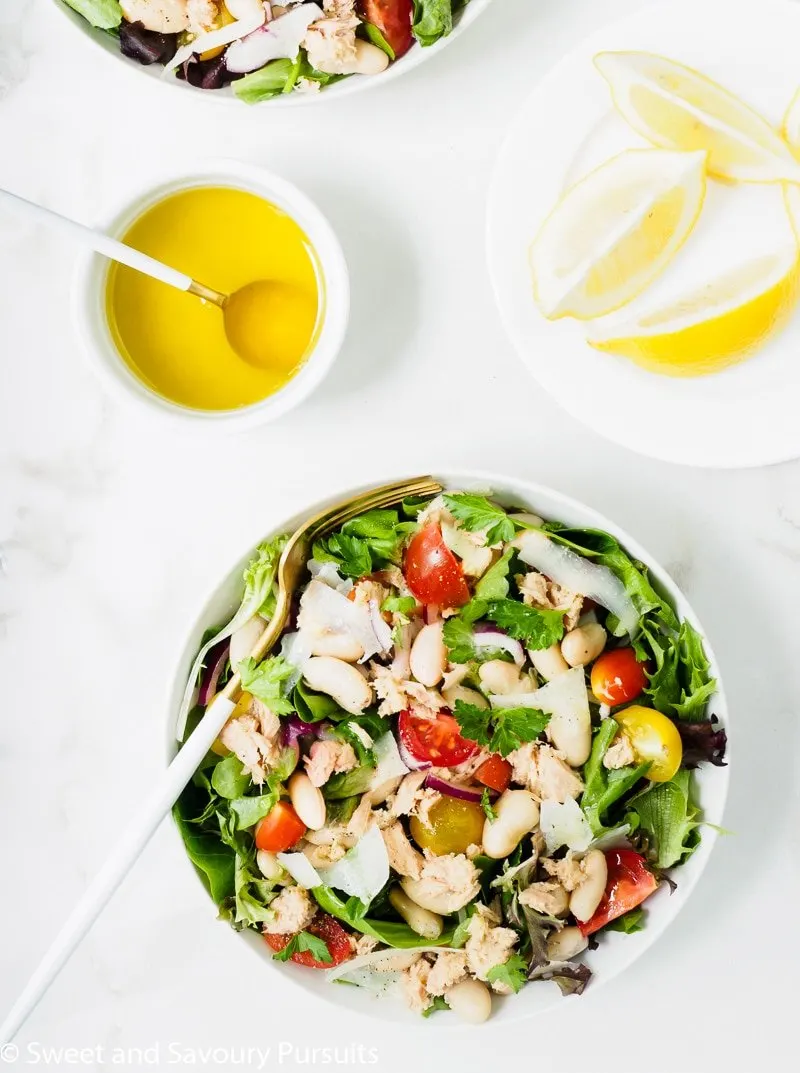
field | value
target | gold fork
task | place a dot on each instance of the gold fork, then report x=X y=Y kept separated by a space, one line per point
x=141 y=828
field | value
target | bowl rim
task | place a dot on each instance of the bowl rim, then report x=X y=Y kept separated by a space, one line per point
x=525 y=492
x=346 y=88
x=91 y=272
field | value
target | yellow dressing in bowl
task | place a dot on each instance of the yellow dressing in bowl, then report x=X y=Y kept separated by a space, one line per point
x=175 y=343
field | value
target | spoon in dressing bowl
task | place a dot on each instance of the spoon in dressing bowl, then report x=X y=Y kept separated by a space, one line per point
x=253 y=314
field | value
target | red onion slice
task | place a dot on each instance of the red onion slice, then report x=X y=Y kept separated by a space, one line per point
x=409 y=759
x=215 y=664
x=294 y=728
x=463 y=793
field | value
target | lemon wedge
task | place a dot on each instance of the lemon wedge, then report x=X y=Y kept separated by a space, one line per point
x=717 y=325
x=613 y=232
x=678 y=108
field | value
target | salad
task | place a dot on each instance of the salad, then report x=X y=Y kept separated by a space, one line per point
x=267 y=49
x=471 y=757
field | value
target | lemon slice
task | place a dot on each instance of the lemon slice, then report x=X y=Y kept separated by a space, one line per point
x=717 y=325
x=615 y=231
x=678 y=108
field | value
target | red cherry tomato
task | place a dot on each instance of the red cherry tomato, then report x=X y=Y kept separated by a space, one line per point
x=630 y=881
x=618 y=677
x=495 y=773
x=437 y=741
x=432 y=571
x=393 y=18
x=280 y=829
x=332 y=934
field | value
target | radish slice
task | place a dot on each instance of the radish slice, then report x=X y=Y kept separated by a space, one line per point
x=363 y=871
x=279 y=39
x=300 y=869
x=491 y=640
x=225 y=35
x=564 y=825
x=580 y=575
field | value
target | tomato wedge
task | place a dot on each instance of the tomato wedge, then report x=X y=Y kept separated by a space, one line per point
x=495 y=773
x=436 y=741
x=432 y=571
x=630 y=881
x=280 y=829
x=618 y=677
x=332 y=934
x=393 y=18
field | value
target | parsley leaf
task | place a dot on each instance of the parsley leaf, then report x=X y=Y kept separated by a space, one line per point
x=536 y=629
x=486 y=805
x=476 y=514
x=457 y=636
x=628 y=923
x=265 y=681
x=350 y=555
x=513 y=973
x=365 y=543
x=492 y=586
x=304 y=942
x=501 y=730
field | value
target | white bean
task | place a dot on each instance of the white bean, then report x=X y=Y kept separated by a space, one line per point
x=471 y=1001
x=498 y=676
x=586 y=896
x=549 y=662
x=307 y=800
x=583 y=644
x=348 y=686
x=469 y=696
x=269 y=865
x=370 y=60
x=429 y=655
x=517 y=814
x=425 y=923
x=565 y=944
x=339 y=645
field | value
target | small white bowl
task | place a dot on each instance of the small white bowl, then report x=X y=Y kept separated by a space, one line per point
x=91 y=277
x=345 y=88
x=616 y=951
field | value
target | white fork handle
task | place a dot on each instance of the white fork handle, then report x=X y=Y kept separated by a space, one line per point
x=97 y=241
x=119 y=863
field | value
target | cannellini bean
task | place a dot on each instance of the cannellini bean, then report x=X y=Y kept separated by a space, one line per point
x=565 y=944
x=242 y=9
x=497 y=676
x=586 y=896
x=348 y=686
x=165 y=17
x=307 y=800
x=269 y=865
x=429 y=655
x=339 y=645
x=370 y=60
x=469 y=696
x=471 y=1001
x=425 y=923
x=549 y=662
x=517 y=814
x=583 y=644
x=243 y=641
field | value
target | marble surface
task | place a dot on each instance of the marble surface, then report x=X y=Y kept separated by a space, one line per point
x=112 y=531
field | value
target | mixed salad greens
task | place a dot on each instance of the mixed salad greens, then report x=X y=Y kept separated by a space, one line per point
x=472 y=756
x=266 y=49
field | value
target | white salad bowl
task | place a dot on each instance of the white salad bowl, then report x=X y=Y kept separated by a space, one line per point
x=355 y=84
x=616 y=951
x=89 y=293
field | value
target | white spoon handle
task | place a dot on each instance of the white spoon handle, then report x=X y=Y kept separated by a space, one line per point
x=98 y=241
x=119 y=863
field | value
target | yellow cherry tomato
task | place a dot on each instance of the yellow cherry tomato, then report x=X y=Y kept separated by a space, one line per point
x=654 y=738
x=454 y=825
x=224 y=18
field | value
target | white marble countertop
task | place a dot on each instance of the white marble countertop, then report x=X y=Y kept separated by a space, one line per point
x=112 y=531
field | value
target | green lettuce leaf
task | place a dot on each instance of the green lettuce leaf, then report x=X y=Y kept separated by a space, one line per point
x=352 y=912
x=666 y=820
x=104 y=14
x=603 y=788
x=215 y=862
x=365 y=543
x=433 y=19
x=270 y=81
x=229 y=778
x=266 y=680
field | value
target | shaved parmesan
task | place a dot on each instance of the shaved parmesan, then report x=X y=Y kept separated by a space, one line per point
x=564 y=825
x=219 y=38
x=388 y=762
x=370 y=969
x=578 y=574
x=328 y=573
x=300 y=869
x=325 y=611
x=279 y=39
x=365 y=738
x=566 y=701
x=471 y=548
x=363 y=872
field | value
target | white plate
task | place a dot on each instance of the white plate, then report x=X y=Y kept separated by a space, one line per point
x=744 y=416
x=616 y=951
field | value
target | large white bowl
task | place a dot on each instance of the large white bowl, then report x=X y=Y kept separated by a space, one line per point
x=616 y=950
x=347 y=86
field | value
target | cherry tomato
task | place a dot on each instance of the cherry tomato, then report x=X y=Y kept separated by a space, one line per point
x=654 y=737
x=432 y=571
x=437 y=741
x=618 y=677
x=280 y=829
x=454 y=825
x=333 y=935
x=495 y=773
x=630 y=881
x=393 y=18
